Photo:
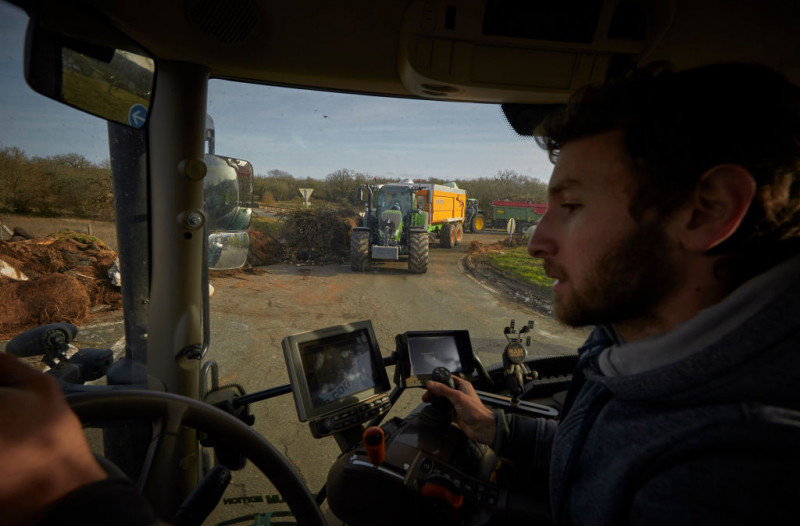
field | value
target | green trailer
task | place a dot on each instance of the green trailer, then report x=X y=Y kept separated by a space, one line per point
x=524 y=214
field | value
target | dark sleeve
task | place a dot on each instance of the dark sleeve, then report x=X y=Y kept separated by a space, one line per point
x=526 y=441
x=731 y=488
x=109 y=501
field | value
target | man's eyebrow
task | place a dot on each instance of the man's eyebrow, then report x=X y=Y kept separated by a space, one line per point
x=562 y=186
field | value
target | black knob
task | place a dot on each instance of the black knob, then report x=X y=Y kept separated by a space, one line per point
x=443 y=376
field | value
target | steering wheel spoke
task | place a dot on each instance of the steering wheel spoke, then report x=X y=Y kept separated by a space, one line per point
x=171 y=414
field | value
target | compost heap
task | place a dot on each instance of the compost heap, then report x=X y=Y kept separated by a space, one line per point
x=62 y=278
x=68 y=279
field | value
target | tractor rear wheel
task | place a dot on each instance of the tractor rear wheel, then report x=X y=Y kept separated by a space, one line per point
x=459 y=234
x=418 y=251
x=359 y=250
x=478 y=222
x=447 y=235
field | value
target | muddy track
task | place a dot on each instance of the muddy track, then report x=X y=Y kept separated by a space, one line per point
x=531 y=297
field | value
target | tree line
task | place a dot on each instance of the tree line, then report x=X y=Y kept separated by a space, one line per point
x=341 y=187
x=65 y=184
x=69 y=184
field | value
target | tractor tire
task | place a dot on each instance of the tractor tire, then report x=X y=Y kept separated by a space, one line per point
x=447 y=236
x=478 y=222
x=459 y=234
x=359 y=250
x=418 y=252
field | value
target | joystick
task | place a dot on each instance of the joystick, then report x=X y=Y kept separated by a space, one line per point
x=443 y=376
x=439 y=412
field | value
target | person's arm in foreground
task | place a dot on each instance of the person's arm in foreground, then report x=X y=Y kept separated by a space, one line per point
x=47 y=471
x=43 y=452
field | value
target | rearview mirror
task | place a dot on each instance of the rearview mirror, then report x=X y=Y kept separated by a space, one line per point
x=73 y=58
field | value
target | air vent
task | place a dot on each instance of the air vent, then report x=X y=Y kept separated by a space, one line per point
x=227 y=21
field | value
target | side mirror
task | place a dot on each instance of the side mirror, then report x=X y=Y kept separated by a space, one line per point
x=74 y=58
x=227 y=185
x=228 y=250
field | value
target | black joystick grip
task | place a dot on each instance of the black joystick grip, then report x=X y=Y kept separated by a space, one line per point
x=439 y=413
x=443 y=376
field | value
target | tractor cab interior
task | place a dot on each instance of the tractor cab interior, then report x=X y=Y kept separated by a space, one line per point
x=145 y=67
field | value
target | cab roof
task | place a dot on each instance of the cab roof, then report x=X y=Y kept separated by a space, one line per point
x=498 y=51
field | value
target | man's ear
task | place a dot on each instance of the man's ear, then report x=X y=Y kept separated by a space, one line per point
x=717 y=206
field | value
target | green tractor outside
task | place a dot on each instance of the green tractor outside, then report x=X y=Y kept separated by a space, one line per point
x=395 y=225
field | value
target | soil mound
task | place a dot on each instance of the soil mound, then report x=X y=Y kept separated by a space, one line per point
x=48 y=299
x=264 y=250
x=68 y=280
x=319 y=236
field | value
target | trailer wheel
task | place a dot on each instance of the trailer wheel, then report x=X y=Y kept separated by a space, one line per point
x=522 y=227
x=418 y=252
x=478 y=222
x=447 y=235
x=459 y=234
x=359 y=250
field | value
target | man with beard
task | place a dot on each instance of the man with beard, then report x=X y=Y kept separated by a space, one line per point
x=673 y=226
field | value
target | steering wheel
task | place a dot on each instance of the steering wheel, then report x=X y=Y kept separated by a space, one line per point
x=174 y=411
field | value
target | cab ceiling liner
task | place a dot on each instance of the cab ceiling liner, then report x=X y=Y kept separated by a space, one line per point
x=227 y=21
x=555 y=20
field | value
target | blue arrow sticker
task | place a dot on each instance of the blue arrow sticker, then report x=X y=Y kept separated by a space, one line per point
x=137 y=115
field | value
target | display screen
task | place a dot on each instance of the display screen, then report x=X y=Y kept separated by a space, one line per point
x=428 y=352
x=338 y=367
x=334 y=369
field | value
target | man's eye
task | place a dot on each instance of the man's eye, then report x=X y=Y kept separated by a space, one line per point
x=571 y=207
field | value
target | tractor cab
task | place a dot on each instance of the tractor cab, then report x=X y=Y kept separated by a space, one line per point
x=393 y=210
x=172 y=413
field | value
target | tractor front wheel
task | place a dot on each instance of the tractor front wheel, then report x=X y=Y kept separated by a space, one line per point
x=418 y=252
x=359 y=250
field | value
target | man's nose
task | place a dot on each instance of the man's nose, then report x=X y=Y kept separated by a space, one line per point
x=541 y=244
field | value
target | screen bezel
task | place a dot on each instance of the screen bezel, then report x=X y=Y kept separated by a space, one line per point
x=306 y=409
x=406 y=376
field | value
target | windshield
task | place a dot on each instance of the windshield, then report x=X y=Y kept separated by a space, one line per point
x=395 y=198
x=310 y=152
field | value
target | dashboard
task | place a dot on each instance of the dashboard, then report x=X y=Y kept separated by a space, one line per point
x=417 y=469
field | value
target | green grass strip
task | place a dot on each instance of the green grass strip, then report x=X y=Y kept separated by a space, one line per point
x=515 y=263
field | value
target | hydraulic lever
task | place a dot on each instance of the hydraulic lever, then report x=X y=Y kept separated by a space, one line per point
x=52 y=341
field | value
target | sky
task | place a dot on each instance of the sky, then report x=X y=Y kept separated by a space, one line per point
x=305 y=133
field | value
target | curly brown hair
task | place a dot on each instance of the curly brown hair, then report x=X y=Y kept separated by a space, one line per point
x=677 y=125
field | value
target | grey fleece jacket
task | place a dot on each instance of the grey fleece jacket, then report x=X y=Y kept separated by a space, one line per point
x=709 y=437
